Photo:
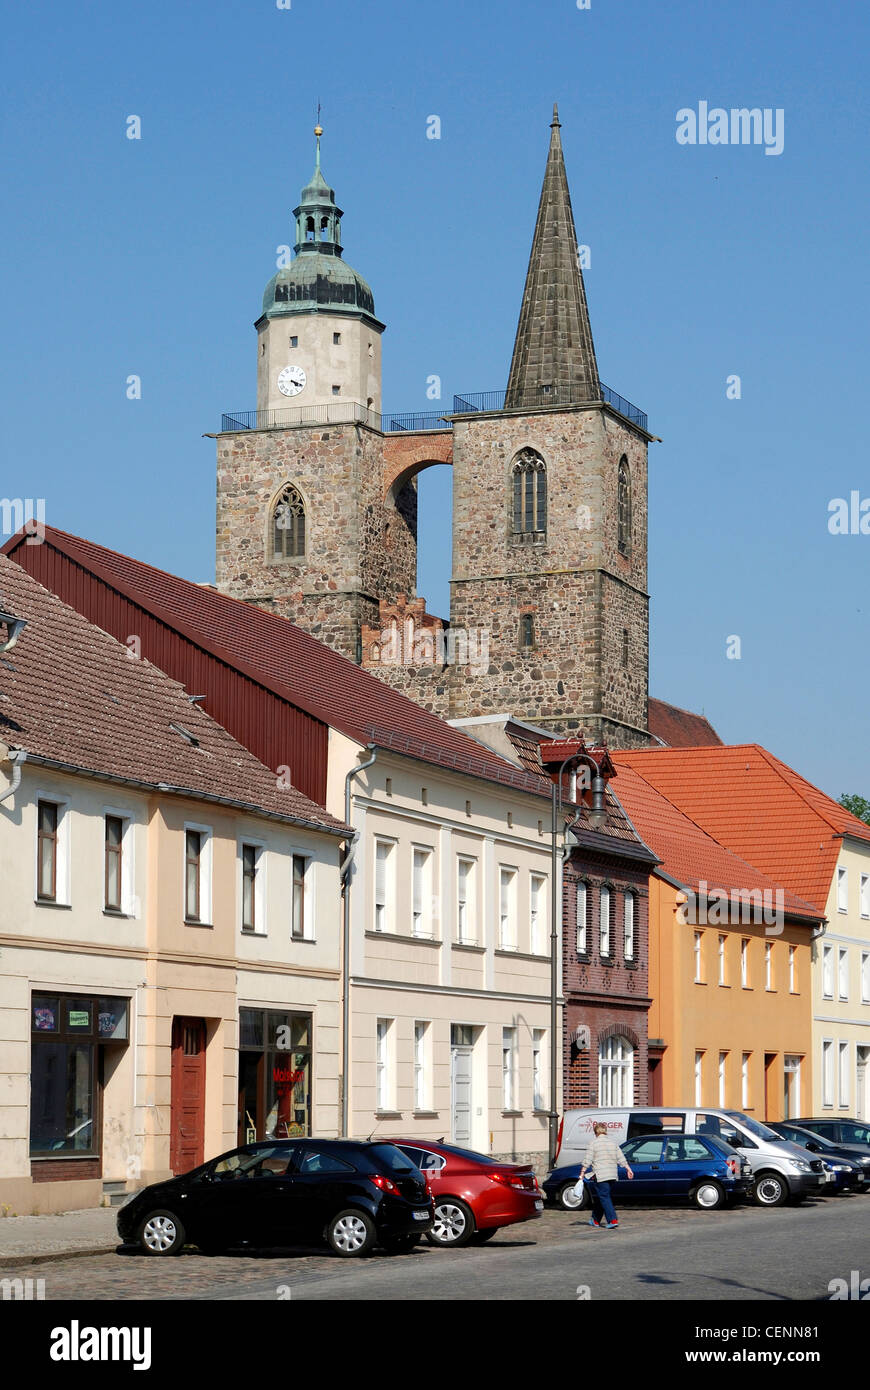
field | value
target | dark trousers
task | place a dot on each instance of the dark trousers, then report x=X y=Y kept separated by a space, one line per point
x=602 y=1202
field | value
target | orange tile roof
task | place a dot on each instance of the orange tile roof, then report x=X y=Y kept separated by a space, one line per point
x=688 y=853
x=679 y=728
x=757 y=806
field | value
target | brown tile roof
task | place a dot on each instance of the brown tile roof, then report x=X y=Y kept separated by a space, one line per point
x=71 y=695
x=758 y=806
x=292 y=664
x=679 y=728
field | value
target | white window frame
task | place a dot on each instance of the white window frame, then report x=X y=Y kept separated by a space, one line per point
x=629 y=903
x=539 y=1069
x=768 y=966
x=129 y=901
x=744 y=1079
x=697 y=955
x=260 y=920
x=422 y=862
x=723 y=1078
x=744 y=962
x=844 y=1062
x=309 y=879
x=538 y=915
x=507 y=908
x=827 y=1071
x=383 y=916
x=466 y=913
x=604 y=922
x=842 y=889
x=865 y=895
x=792 y=1067
x=827 y=972
x=509 y=1069
x=792 y=970
x=615 y=1072
x=865 y=977
x=699 y=1078
x=62 y=870
x=843 y=972
x=721 y=957
x=206 y=856
x=384 y=1089
x=582 y=913
x=422 y=1068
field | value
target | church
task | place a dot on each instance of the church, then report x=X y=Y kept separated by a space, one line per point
x=317 y=496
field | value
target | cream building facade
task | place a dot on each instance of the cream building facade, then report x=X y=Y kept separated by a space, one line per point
x=841 y=990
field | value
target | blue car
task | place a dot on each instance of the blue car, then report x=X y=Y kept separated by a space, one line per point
x=694 y=1167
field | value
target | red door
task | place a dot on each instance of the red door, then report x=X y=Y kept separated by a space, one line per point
x=187 y=1123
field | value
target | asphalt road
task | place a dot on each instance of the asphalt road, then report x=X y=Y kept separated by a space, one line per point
x=656 y=1254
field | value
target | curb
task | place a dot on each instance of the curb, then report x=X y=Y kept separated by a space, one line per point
x=29 y=1259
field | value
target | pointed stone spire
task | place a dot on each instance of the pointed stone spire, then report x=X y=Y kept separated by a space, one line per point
x=554 y=356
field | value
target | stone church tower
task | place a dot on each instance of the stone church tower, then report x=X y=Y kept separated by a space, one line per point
x=317 y=507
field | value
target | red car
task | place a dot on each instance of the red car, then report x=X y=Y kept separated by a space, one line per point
x=475 y=1195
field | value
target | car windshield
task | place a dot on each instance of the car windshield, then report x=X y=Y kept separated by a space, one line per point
x=855 y=1134
x=800 y=1136
x=746 y=1122
x=393 y=1157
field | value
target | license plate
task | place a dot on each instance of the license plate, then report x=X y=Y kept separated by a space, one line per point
x=421 y=1216
x=539 y=1205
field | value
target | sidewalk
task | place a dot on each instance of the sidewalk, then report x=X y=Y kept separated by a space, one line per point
x=31 y=1239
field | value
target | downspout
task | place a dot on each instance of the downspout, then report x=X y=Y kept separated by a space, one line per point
x=345 y=873
x=17 y=759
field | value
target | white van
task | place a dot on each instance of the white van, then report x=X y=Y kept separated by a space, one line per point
x=781 y=1171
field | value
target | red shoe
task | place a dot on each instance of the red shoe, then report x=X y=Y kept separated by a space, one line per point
x=612 y=1223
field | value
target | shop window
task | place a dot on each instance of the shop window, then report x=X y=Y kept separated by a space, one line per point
x=66 y=1035
x=274 y=1075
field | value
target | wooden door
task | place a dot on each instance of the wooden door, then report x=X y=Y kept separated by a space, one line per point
x=187 y=1121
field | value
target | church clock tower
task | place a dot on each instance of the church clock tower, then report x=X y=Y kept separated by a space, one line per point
x=318 y=341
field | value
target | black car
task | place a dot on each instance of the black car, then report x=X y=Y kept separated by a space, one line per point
x=845 y=1133
x=828 y=1147
x=353 y=1195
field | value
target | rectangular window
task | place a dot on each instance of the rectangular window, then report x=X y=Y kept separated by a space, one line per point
x=67 y=1035
x=508 y=1068
x=792 y=969
x=792 y=1087
x=768 y=965
x=744 y=962
x=113 y=874
x=604 y=921
x=46 y=851
x=421 y=1067
x=843 y=1073
x=250 y=855
x=827 y=1072
x=384 y=1064
x=721 y=957
x=421 y=887
x=828 y=972
x=865 y=895
x=383 y=885
x=507 y=919
x=699 y=1078
x=699 y=963
x=629 y=926
x=842 y=890
x=538 y=1069
x=538 y=915
x=466 y=917
x=193 y=875
x=865 y=977
x=582 y=919
x=843 y=972
x=299 y=930
x=744 y=1080
x=723 y=1065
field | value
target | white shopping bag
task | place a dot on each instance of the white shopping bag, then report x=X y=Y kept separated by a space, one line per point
x=578 y=1188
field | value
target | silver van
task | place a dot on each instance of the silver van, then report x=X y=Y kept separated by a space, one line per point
x=781 y=1171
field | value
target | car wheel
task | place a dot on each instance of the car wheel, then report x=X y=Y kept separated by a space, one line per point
x=481 y=1237
x=567 y=1197
x=399 y=1245
x=454 y=1223
x=770 y=1190
x=708 y=1195
x=351 y=1233
x=161 y=1233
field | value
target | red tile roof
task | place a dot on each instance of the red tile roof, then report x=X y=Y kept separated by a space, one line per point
x=71 y=695
x=679 y=728
x=290 y=662
x=687 y=852
x=758 y=806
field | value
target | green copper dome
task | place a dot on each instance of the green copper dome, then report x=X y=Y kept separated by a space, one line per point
x=317 y=279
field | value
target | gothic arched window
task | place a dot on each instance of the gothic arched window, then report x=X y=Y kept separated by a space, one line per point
x=623 y=508
x=527 y=630
x=288 y=524
x=529 y=482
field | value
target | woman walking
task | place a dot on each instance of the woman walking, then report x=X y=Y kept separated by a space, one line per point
x=602 y=1161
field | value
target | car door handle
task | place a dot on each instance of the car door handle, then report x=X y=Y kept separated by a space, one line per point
x=655 y=1167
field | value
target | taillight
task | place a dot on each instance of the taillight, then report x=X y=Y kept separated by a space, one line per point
x=508 y=1179
x=386 y=1185
x=559 y=1142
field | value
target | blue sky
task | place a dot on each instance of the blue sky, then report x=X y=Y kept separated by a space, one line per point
x=150 y=257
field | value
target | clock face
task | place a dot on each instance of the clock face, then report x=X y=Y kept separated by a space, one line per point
x=291 y=381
